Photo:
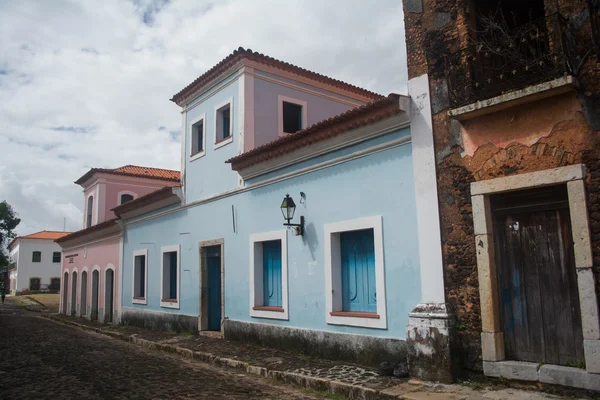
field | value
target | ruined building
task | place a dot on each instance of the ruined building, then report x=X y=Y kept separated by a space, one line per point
x=514 y=93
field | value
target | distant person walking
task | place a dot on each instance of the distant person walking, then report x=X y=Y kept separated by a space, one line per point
x=3 y=294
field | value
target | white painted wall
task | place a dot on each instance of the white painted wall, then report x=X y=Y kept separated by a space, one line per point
x=45 y=269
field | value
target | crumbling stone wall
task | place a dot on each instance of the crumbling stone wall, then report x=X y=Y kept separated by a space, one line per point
x=439 y=28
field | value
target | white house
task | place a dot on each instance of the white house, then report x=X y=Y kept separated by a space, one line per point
x=35 y=262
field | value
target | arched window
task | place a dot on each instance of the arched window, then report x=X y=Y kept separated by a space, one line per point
x=126 y=198
x=90 y=206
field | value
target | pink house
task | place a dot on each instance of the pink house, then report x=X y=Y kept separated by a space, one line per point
x=92 y=256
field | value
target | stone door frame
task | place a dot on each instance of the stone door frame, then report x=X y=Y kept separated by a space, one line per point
x=492 y=337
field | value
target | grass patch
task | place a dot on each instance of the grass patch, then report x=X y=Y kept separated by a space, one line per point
x=48 y=300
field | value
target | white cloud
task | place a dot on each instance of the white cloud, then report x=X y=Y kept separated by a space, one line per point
x=86 y=84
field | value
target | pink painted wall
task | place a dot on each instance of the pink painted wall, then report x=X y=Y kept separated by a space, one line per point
x=140 y=188
x=100 y=254
x=266 y=105
x=106 y=194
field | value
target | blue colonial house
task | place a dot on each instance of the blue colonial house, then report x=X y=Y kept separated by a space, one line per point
x=306 y=218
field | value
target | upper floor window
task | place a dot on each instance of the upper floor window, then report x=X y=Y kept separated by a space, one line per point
x=197 y=138
x=56 y=257
x=125 y=198
x=292 y=115
x=36 y=257
x=223 y=123
x=90 y=206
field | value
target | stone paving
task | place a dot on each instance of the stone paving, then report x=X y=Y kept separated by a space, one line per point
x=42 y=359
x=365 y=382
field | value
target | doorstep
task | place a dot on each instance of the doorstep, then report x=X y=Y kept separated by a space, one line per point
x=544 y=373
x=351 y=380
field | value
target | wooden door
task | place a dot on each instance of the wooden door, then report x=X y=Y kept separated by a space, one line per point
x=540 y=312
x=213 y=261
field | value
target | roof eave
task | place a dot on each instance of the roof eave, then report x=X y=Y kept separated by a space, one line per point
x=339 y=125
x=154 y=201
x=92 y=234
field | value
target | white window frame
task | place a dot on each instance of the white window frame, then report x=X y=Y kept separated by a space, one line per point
x=201 y=117
x=163 y=250
x=134 y=300
x=333 y=273
x=280 y=100
x=218 y=107
x=129 y=192
x=256 y=274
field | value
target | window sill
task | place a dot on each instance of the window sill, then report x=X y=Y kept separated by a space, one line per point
x=268 y=308
x=269 y=312
x=354 y=314
x=169 y=303
x=169 y=300
x=139 y=300
x=223 y=142
x=197 y=155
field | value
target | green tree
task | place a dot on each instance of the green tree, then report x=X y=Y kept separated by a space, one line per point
x=8 y=223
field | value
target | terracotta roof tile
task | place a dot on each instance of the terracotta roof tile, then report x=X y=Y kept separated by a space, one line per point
x=247 y=54
x=349 y=120
x=46 y=235
x=135 y=171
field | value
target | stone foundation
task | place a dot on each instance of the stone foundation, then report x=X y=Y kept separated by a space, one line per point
x=160 y=321
x=429 y=335
x=362 y=349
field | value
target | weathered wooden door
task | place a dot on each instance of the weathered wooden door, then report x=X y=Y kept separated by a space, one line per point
x=537 y=279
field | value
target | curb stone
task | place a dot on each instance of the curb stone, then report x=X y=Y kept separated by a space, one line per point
x=304 y=381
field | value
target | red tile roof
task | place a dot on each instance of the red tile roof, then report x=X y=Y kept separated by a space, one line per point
x=351 y=119
x=135 y=171
x=46 y=235
x=247 y=54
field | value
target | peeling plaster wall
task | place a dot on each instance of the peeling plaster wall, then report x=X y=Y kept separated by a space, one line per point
x=558 y=131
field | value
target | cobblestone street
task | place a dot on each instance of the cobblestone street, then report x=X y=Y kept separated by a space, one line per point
x=42 y=359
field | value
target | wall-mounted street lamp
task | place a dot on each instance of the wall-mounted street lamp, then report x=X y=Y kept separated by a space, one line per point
x=288 y=208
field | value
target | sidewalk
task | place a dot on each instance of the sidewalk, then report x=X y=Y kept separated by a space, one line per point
x=351 y=380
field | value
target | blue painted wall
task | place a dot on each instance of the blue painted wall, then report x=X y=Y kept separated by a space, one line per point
x=209 y=175
x=378 y=184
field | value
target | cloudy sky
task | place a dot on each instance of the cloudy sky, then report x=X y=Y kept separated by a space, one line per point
x=87 y=83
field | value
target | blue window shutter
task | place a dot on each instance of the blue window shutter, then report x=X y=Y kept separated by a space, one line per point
x=358 y=271
x=226 y=122
x=272 y=273
x=200 y=136
x=142 y=276
x=173 y=275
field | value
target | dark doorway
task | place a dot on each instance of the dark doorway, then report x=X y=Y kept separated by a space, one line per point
x=83 y=299
x=537 y=280
x=95 y=289
x=65 y=292
x=74 y=293
x=109 y=294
